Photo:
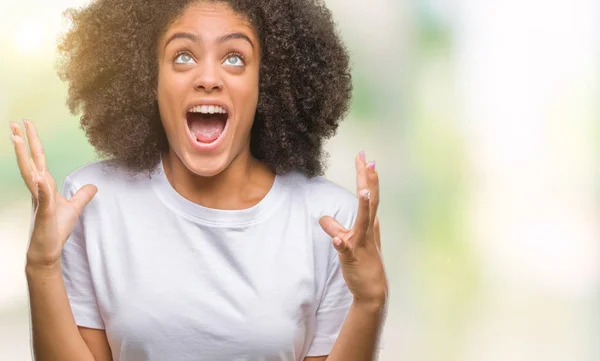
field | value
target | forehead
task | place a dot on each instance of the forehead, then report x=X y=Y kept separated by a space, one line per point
x=210 y=19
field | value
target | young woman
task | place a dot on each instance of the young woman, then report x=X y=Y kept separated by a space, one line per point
x=209 y=233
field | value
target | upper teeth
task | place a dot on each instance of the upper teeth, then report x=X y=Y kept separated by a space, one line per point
x=208 y=109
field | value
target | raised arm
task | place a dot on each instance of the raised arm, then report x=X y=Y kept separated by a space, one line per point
x=55 y=334
x=363 y=271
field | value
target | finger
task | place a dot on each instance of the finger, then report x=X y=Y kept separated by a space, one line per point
x=36 y=148
x=373 y=181
x=83 y=196
x=24 y=161
x=34 y=172
x=361 y=179
x=361 y=225
x=376 y=234
x=45 y=197
x=331 y=226
x=35 y=145
x=361 y=156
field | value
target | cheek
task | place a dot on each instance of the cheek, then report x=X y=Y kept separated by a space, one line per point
x=169 y=94
x=248 y=97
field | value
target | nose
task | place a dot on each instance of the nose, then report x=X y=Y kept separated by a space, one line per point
x=208 y=78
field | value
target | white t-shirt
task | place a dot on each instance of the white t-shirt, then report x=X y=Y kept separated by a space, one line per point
x=169 y=279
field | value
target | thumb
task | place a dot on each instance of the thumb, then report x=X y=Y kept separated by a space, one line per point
x=83 y=196
x=331 y=226
x=344 y=249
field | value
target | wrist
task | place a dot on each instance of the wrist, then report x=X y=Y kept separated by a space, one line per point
x=43 y=260
x=45 y=269
x=374 y=305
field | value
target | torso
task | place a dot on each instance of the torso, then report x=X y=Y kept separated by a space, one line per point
x=175 y=278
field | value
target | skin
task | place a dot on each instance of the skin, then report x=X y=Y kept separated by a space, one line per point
x=205 y=177
x=206 y=71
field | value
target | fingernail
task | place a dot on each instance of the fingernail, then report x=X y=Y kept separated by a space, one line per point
x=371 y=166
x=361 y=155
x=337 y=241
x=25 y=123
x=12 y=127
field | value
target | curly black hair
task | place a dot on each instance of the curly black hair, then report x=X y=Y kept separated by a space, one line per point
x=110 y=60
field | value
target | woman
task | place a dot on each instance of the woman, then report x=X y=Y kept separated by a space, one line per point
x=208 y=234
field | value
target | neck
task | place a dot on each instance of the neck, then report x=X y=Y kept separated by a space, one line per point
x=241 y=185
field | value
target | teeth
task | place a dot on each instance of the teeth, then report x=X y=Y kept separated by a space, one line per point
x=208 y=109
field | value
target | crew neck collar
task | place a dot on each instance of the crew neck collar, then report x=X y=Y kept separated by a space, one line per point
x=213 y=216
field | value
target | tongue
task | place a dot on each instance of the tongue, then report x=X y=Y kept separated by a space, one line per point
x=207 y=129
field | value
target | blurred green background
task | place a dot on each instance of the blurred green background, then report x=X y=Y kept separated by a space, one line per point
x=483 y=119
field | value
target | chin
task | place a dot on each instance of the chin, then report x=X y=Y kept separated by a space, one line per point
x=205 y=165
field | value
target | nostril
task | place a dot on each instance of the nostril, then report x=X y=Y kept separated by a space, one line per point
x=209 y=85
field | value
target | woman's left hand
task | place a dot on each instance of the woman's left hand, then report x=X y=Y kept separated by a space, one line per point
x=359 y=247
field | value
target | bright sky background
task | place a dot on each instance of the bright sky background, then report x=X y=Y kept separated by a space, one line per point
x=31 y=27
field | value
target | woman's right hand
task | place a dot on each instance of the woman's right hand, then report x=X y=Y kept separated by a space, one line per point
x=54 y=216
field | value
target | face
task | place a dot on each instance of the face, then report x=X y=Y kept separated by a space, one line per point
x=208 y=86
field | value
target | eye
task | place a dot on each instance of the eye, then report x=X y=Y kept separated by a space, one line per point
x=184 y=58
x=234 y=60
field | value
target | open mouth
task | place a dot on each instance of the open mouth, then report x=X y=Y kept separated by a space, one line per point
x=207 y=122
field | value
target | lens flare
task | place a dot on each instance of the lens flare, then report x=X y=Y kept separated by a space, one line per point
x=29 y=37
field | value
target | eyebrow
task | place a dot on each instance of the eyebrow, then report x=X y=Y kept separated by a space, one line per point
x=190 y=36
x=232 y=36
x=195 y=38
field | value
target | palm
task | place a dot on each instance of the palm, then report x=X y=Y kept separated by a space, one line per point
x=66 y=217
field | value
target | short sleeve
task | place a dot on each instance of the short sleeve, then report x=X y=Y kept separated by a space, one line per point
x=77 y=276
x=332 y=310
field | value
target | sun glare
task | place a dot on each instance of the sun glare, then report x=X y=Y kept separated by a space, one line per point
x=29 y=37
